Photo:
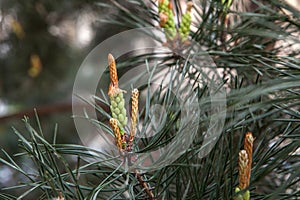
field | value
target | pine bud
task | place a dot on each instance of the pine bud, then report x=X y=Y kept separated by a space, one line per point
x=162 y=5
x=163 y=18
x=114 y=125
x=165 y=10
x=243 y=163
x=246 y=195
x=185 y=24
x=117 y=108
x=134 y=112
x=248 y=146
x=113 y=71
x=239 y=196
x=117 y=100
x=116 y=111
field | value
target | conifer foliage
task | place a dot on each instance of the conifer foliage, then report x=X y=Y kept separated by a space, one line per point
x=255 y=45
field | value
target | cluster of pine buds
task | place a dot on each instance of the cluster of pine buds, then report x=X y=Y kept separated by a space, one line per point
x=166 y=16
x=117 y=107
x=186 y=21
x=245 y=162
x=165 y=10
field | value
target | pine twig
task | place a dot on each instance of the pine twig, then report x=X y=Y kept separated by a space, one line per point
x=118 y=122
x=144 y=185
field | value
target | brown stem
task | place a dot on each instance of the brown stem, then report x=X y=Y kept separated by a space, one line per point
x=44 y=110
x=144 y=185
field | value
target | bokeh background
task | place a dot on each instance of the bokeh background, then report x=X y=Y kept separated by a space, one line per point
x=42 y=44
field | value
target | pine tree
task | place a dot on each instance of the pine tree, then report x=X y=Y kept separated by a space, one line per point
x=254 y=47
